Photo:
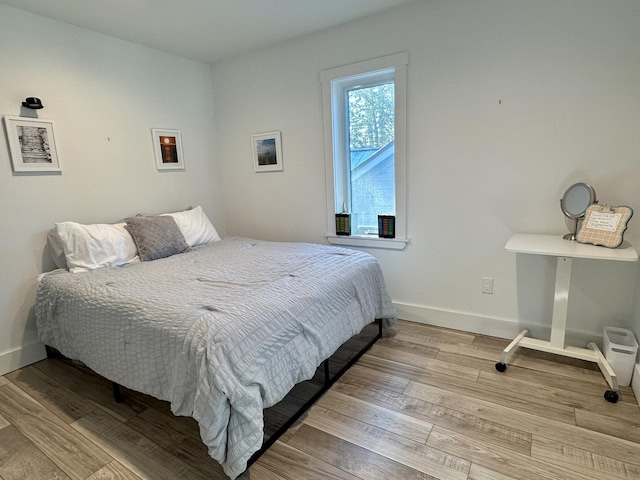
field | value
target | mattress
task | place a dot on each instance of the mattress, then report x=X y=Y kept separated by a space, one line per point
x=221 y=332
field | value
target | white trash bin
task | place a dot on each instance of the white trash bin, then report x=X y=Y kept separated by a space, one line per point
x=620 y=350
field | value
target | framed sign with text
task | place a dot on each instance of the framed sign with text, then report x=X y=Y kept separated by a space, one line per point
x=604 y=225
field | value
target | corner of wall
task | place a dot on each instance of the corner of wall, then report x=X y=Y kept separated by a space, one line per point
x=21 y=357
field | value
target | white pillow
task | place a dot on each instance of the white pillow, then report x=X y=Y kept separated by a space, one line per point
x=87 y=247
x=56 y=248
x=195 y=226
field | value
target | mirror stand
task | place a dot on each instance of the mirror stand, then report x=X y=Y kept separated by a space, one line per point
x=572 y=236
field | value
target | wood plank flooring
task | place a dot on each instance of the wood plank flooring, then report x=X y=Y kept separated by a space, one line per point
x=423 y=403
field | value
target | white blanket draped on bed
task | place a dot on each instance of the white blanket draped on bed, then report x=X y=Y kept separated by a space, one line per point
x=221 y=332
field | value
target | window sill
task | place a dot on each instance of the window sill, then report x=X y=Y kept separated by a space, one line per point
x=371 y=242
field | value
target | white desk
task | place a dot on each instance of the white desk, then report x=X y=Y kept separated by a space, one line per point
x=565 y=251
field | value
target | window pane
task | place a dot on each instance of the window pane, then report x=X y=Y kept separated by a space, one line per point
x=371 y=153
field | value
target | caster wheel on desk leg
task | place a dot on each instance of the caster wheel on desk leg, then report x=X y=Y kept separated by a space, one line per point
x=501 y=367
x=611 y=396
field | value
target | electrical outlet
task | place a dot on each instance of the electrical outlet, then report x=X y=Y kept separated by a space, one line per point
x=487 y=285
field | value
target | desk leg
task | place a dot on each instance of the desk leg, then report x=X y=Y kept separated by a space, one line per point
x=556 y=343
x=560 y=302
x=509 y=351
x=558 y=320
x=607 y=371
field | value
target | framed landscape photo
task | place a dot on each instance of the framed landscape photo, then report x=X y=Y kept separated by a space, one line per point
x=32 y=145
x=267 y=152
x=167 y=146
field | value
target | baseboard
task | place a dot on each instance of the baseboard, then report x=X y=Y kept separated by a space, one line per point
x=21 y=357
x=485 y=325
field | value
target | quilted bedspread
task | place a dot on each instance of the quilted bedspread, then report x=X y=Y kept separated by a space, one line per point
x=221 y=332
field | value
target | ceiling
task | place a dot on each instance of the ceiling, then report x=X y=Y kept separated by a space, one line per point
x=205 y=30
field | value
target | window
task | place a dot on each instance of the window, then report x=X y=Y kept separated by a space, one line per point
x=365 y=148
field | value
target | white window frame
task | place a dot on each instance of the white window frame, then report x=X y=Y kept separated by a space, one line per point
x=336 y=161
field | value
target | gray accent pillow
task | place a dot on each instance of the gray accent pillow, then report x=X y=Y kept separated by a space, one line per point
x=156 y=236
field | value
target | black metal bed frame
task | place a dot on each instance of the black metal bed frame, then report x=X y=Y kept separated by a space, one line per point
x=328 y=382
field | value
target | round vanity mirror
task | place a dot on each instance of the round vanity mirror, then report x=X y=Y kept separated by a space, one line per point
x=575 y=202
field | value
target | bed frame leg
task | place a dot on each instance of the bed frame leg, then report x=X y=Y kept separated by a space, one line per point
x=117 y=395
x=327 y=377
x=52 y=352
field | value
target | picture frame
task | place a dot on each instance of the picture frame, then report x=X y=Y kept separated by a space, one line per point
x=32 y=145
x=604 y=225
x=267 y=152
x=167 y=147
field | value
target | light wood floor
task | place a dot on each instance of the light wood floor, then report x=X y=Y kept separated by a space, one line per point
x=425 y=403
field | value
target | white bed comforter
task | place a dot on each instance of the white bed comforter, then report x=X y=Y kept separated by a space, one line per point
x=221 y=332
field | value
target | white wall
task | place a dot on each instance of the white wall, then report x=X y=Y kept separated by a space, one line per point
x=509 y=103
x=104 y=96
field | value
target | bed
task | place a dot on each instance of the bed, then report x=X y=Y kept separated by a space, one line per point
x=222 y=329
